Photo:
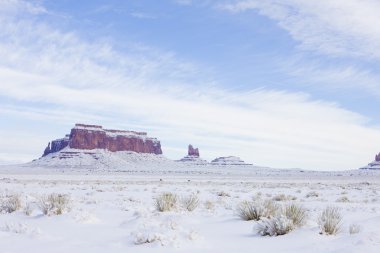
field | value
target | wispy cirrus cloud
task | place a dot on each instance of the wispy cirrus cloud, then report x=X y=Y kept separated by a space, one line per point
x=142 y=15
x=51 y=75
x=338 y=42
x=339 y=28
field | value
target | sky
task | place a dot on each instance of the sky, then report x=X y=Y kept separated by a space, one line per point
x=284 y=84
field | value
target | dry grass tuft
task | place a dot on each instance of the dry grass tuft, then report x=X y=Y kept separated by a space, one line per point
x=166 y=202
x=54 y=204
x=296 y=213
x=191 y=202
x=255 y=210
x=11 y=204
x=312 y=194
x=330 y=220
x=343 y=199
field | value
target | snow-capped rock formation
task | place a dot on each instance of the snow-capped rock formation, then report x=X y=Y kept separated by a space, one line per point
x=228 y=160
x=90 y=137
x=375 y=165
x=193 y=151
x=193 y=156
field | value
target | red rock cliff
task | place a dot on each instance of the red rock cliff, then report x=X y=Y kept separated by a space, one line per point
x=95 y=137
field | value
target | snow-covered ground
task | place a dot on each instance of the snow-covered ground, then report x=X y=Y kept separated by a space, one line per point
x=114 y=210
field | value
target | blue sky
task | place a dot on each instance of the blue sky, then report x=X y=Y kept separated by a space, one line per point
x=279 y=83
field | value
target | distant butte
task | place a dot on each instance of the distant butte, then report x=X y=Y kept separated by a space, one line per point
x=193 y=156
x=88 y=137
x=192 y=151
x=375 y=165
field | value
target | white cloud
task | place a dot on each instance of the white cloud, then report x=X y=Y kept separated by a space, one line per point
x=10 y=7
x=184 y=2
x=342 y=77
x=338 y=28
x=50 y=75
x=142 y=15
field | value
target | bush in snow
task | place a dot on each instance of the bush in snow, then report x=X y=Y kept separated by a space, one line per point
x=312 y=194
x=354 y=229
x=343 y=199
x=11 y=204
x=274 y=226
x=330 y=220
x=296 y=213
x=255 y=210
x=190 y=202
x=223 y=194
x=209 y=205
x=54 y=204
x=28 y=209
x=166 y=202
x=283 y=197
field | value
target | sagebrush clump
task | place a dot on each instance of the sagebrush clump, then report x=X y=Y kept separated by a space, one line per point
x=274 y=226
x=191 y=202
x=312 y=194
x=11 y=204
x=296 y=213
x=330 y=220
x=255 y=210
x=166 y=202
x=54 y=204
x=354 y=229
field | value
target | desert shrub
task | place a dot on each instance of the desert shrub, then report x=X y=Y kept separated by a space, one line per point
x=330 y=220
x=223 y=194
x=280 y=197
x=296 y=213
x=209 y=205
x=11 y=204
x=283 y=197
x=166 y=202
x=274 y=226
x=255 y=210
x=343 y=199
x=354 y=229
x=54 y=204
x=28 y=209
x=312 y=194
x=190 y=202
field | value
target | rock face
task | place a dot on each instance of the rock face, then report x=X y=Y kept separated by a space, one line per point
x=228 y=160
x=377 y=158
x=88 y=137
x=57 y=145
x=192 y=151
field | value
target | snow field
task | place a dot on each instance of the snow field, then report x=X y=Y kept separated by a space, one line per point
x=120 y=215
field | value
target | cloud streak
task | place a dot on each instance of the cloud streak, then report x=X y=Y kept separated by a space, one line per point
x=339 y=28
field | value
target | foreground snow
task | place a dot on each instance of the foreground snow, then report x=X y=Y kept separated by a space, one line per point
x=114 y=211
